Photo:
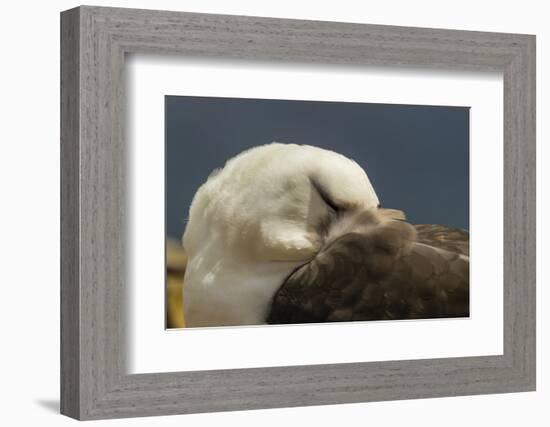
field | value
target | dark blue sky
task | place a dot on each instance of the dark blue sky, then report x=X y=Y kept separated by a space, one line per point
x=417 y=157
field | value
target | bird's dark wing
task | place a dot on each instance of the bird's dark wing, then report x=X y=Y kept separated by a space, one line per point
x=378 y=275
x=439 y=236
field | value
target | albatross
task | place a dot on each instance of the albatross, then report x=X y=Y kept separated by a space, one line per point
x=288 y=233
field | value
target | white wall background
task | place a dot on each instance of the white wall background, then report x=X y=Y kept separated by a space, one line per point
x=29 y=218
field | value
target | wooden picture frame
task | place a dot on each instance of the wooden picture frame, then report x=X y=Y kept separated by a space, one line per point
x=94 y=382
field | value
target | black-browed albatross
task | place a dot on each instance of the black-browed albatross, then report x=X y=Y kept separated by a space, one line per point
x=288 y=233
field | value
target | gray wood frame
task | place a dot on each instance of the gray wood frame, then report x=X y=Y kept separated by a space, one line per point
x=94 y=41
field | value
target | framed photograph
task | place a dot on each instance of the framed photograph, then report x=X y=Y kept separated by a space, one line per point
x=261 y=213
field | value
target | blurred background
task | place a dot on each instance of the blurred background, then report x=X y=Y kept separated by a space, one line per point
x=416 y=156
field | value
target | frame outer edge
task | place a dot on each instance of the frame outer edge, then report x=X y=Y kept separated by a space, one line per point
x=520 y=215
x=70 y=396
x=527 y=77
x=532 y=230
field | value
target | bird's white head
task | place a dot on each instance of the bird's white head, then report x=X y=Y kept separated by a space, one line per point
x=256 y=220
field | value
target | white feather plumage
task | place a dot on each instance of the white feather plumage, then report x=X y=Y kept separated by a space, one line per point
x=257 y=219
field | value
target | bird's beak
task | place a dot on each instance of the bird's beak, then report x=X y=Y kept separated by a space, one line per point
x=392 y=214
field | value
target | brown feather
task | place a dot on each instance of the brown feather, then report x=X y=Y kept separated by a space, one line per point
x=380 y=269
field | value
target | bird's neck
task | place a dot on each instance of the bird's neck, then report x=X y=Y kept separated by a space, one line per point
x=222 y=289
